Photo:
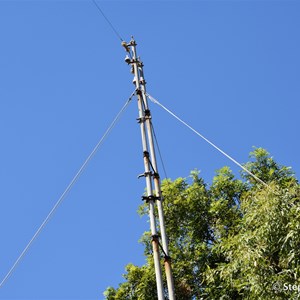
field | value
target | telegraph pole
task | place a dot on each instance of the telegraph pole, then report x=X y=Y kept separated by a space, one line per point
x=154 y=195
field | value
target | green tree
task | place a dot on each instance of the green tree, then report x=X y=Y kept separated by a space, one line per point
x=233 y=239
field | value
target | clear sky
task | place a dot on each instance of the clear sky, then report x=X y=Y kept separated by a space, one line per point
x=229 y=68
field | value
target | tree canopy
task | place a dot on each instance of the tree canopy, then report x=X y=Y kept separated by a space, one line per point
x=232 y=239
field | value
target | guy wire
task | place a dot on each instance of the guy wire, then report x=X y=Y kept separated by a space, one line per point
x=107 y=20
x=66 y=191
x=208 y=141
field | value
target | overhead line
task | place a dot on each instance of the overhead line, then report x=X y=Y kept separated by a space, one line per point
x=66 y=191
x=207 y=140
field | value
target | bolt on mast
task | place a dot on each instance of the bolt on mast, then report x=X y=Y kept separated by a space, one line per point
x=151 y=173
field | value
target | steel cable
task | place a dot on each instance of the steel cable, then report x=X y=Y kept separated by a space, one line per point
x=208 y=141
x=108 y=21
x=67 y=190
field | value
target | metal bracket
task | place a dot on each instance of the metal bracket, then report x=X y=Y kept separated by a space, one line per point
x=138 y=92
x=145 y=174
x=156 y=175
x=143 y=119
x=155 y=237
x=142 y=81
x=140 y=120
x=150 y=198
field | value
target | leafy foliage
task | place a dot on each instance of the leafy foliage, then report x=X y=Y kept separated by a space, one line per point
x=234 y=239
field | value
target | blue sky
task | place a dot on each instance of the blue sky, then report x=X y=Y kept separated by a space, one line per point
x=229 y=68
